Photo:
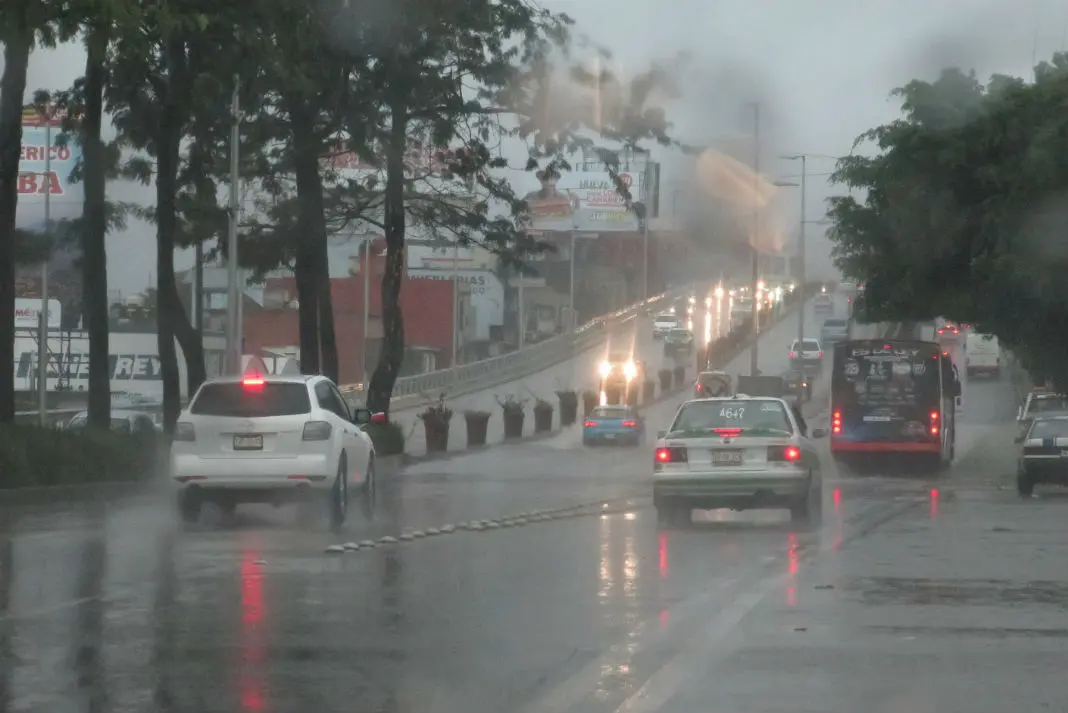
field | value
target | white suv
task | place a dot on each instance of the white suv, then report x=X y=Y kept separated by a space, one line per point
x=271 y=439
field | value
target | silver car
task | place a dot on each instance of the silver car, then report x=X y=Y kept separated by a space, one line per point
x=742 y=453
x=834 y=330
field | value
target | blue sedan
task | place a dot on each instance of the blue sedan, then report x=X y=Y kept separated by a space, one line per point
x=613 y=424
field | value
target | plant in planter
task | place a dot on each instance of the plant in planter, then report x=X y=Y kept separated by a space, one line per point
x=666 y=377
x=514 y=415
x=543 y=416
x=680 y=376
x=388 y=438
x=590 y=400
x=435 y=420
x=648 y=390
x=477 y=426
x=568 y=406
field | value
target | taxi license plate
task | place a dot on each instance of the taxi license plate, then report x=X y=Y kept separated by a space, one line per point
x=248 y=443
x=1064 y=453
x=610 y=436
x=726 y=457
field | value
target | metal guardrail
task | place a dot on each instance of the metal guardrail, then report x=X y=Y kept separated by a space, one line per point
x=412 y=390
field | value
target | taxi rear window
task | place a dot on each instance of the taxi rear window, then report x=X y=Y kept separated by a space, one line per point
x=748 y=415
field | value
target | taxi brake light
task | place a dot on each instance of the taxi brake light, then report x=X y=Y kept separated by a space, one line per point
x=792 y=454
x=727 y=432
x=252 y=382
x=793 y=355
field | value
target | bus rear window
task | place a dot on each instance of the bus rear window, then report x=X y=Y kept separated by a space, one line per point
x=234 y=399
x=905 y=377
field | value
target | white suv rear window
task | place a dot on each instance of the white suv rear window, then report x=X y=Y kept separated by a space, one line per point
x=239 y=401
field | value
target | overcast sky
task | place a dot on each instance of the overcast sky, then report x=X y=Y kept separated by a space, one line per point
x=821 y=72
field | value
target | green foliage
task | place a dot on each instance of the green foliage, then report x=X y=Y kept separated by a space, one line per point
x=437 y=412
x=31 y=456
x=963 y=211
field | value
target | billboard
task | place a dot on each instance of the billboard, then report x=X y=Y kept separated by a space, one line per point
x=586 y=201
x=40 y=141
x=28 y=312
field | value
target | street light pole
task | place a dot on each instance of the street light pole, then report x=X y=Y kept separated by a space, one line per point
x=234 y=293
x=571 y=299
x=365 y=270
x=754 y=356
x=42 y=330
x=803 y=158
x=455 y=303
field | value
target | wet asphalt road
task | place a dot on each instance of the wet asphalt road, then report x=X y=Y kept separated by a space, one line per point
x=915 y=596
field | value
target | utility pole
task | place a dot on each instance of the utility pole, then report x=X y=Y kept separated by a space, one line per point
x=42 y=314
x=753 y=354
x=646 y=206
x=801 y=249
x=455 y=305
x=521 y=316
x=365 y=270
x=234 y=292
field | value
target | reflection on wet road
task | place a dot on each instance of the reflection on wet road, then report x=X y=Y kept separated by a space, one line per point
x=914 y=596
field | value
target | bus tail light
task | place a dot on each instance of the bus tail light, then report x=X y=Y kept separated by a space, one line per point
x=836 y=422
x=933 y=417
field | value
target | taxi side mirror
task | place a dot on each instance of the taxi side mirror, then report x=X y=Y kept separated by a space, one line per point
x=819 y=433
x=361 y=416
x=661 y=434
x=1018 y=439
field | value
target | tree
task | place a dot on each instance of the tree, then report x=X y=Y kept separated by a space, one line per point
x=22 y=23
x=454 y=74
x=963 y=211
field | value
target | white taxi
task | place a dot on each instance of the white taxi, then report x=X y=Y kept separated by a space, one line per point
x=742 y=453
x=271 y=439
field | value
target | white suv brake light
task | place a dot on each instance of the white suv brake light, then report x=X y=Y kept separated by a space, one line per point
x=317 y=431
x=184 y=431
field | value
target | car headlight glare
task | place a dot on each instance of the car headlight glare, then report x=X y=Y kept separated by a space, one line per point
x=630 y=370
x=606 y=368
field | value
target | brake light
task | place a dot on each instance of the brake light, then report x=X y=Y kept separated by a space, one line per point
x=941 y=331
x=252 y=382
x=945 y=353
x=821 y=355
x=589 y=424
x=793 y=355
x=670 y=455
x=698 y=387
x=317 y=431
x=727 y=432
x=933 y=417
x=630 y=424
x=184 y=431
x=836 y=422
x=784 y=454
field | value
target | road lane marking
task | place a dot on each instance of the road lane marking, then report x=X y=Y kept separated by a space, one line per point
x=567 y=694
x=708 y=641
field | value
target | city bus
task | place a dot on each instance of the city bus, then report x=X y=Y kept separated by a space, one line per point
x=893 y=403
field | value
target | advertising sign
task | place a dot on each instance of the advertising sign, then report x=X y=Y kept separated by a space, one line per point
x=487 y=295
x=28 y=311
x=585 y=201
x=133 y=363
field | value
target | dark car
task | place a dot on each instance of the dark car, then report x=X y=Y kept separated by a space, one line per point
x=678 y=341
x=797 y=384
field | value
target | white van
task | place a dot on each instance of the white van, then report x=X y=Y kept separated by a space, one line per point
x=982 y=355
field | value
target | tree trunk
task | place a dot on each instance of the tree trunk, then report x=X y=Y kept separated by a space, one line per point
x=312 y=219
x=94 y=231
x=306 y=263
x=391 y=357
x=168 y=304
x=17 y=46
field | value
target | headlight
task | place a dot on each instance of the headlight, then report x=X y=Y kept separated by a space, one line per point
x=708 y=302
x=606 y=368
x=630 y=370
x=693 y=299
x=719 y=293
